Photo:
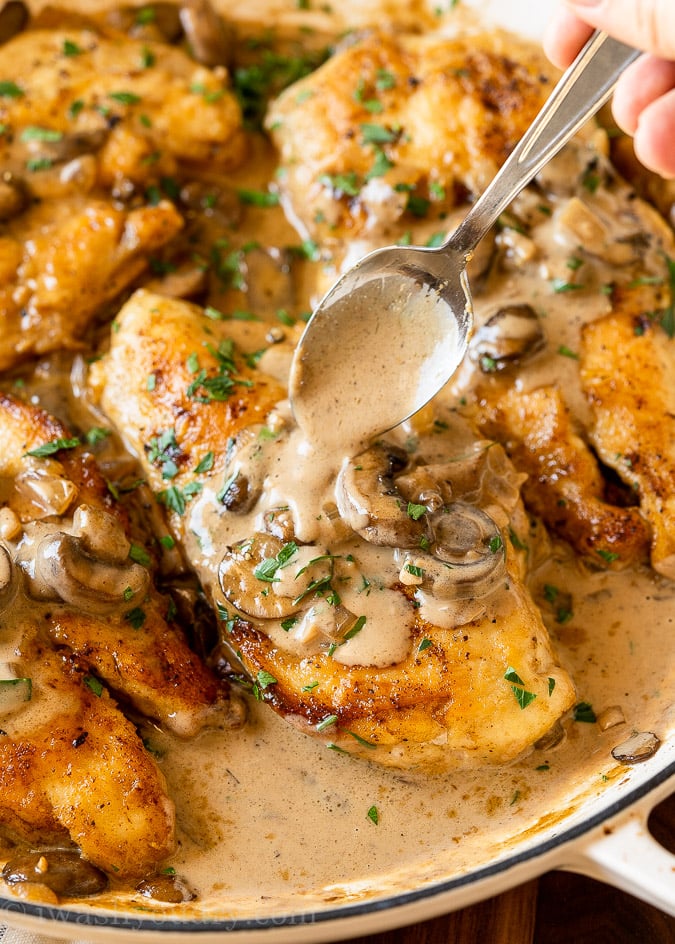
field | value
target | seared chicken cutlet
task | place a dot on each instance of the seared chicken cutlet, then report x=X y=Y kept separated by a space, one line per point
x=394 y=124
x=97 y=131
x=627 y=369
x=81 y=617
x=378 y=603
x=564 y=485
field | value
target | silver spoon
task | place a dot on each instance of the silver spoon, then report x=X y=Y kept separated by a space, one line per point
x=394 y=328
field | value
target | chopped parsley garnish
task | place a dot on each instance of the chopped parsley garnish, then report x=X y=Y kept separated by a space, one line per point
x=145 y=15
x=71 y=48
x=377 y=134
x=35 y=164
x=167 y=541
x=361 y=741
x=50 y=448
x=148 y=58
x=136 y=617
x=267 y=569
x=75 y=108
x=551 y=685
x=667 y=316
x=416 y=511
x=380 y=165
x=259 y=198
x=495 y=544
x=263 y=680
x=206 y=387
x=175 y=499
x=373 y=815
x=562 y=285
x=609 y=556
x=10 y=90
x=163 y=450
x=321 y=583
x=205 y=464
x=424 y=644
x=93 y=684
x=584 y=712
x=35 y=133
x=520 y=693
x=516 y=542
x=125 y=98
x=384 y=80
x=568 y=352
x=418 y=206
x=414 y=570
x=139 y=555
x=348 y=184
x=288 y=623
x=356 y=628
x=96 y=435
x=270 y=74
x=327 y=723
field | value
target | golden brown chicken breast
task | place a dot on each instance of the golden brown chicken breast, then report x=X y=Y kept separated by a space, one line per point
x=393 y=126
x=627 y=368
x=379 y=603
x=97 y=132
x=83 y=619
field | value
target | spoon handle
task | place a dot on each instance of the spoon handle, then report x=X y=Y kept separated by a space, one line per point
x=583 y=89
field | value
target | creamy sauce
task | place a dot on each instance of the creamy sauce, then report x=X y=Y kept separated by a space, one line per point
x=370 y=358
x=270 y=820
x=305 y=809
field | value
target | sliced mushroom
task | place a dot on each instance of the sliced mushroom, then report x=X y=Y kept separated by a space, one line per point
x=66 y=567
x=641 y=746
x=508 y=337
x=168 y=888
x=8 y=580
x=267 y=579
x=371 y=504
x=63 y=871
x=73 y=144
x=245 y=473
x=468 y=553
x=101 y=534
x=208 y=36
x=13 y=18
x=13 y=196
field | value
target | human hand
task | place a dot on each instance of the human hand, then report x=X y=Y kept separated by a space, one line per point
x=644 y=100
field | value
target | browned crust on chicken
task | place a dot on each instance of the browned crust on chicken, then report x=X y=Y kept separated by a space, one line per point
x=81 y=774
x=163 y=349
x=627 y=371
x=71 y=763
x=564 y=485
x=87 y=140
x=485 y=86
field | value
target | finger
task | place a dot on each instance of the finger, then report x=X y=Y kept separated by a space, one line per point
x=564 y=37
x=641 y=84
x=653 y=141
x=647 y=24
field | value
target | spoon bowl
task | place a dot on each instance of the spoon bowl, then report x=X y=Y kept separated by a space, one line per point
x=401 y=313
x=394 y=328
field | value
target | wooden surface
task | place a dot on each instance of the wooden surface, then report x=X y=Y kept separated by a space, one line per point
x=558 y=908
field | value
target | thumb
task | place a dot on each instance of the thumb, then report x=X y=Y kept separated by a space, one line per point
x=646 y=24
